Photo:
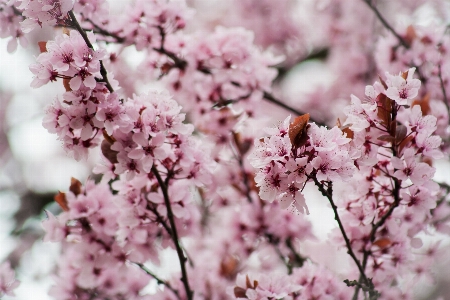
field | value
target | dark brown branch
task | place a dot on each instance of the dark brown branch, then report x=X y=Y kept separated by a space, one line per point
x=158 y=280
x=328 y=193
x=103 y=72
x=395 y=195
x=380 y=17
x=181 y=257
x=269 y=97
x=274 y=241
x=298 y=259
x=101 y=31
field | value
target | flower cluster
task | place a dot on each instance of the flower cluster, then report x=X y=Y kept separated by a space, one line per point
x=68 y=57
x=288 y=158
x=383 y=152
x=10 y=25
x=93 y=262
x=41 y=13
x=222 y=79
x=309 y=282
x=147 y=23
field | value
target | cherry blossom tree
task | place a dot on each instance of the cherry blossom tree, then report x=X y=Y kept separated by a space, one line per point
x=204 y=149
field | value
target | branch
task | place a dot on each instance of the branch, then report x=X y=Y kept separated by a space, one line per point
x=395 y=195
x=269 y=97
x=274 y=241
x=329 y=194
x=444 y=93
x=175 y=238
x=400 y=39
x=103 y=72
x=158 y=280
x=300 y=260
x=104 y=32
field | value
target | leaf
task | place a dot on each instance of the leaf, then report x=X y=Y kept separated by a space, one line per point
x=384 y=109
x=42 y=46
x=239 y=292
x=297 y=130
x=386 y=138
x=75 y=186
x=411 y=35
x=60 y=198
x=424 y=104
x=66 y=83
x=349 y=133
x=382 y=243
x=404 y=143
x=229 y=266
x=405 y=75
x=400 y=133
x=242 y=146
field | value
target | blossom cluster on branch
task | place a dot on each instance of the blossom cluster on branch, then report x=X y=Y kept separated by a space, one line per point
x=195 y=169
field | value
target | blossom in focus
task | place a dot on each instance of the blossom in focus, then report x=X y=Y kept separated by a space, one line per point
x=401 y=89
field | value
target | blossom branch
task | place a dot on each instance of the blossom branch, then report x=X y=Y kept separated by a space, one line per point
x=181 y=64
x=182 y=258
x=103 y=72
x=158 y=280
x=328 y=192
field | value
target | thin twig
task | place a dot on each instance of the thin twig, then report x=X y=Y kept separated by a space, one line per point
x=300 y=260
x=78 y=27
x=158 y=280
x=386 y=24
x=269 y=97
x=444 y=93
x=329 y=194
x=181 y=257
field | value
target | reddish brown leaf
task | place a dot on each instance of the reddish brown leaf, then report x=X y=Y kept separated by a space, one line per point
x=107 y=152
x=386 y=138
x=424 y=104
x=350 y=134
x=42 y=46
x=384 y=109
x=382 y=243
x=66 y=84
x=405 y=75
x=404 y=143
x=410 y=35
x=60 y=198
x=297 y=130
x=75 y=186
x=239 y=292
x=400 y=133
x=229 y=267
x=242 y=146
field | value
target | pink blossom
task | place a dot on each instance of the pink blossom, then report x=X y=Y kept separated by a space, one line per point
x=401 y=90
x=418 y=172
